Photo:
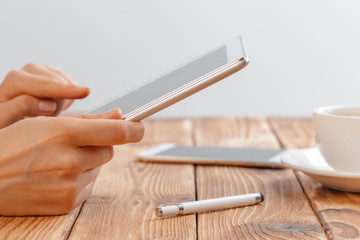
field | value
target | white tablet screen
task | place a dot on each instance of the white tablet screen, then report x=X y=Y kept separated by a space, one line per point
x=222 y=154
x=167 y=83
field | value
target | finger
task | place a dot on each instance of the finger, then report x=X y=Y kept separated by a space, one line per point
x=84 y=193
x=93 y=157
x=68 y=104
x=113 y=114
x=87 y=177
x=87 y=180
x=60 y=73
x=24 y=106
x=103 y=132
x=22 y=82
x=42 y=70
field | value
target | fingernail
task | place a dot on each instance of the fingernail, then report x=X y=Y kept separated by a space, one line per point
x=84 y=87
x=75 y=85
x=47 y=106
x=115 y=113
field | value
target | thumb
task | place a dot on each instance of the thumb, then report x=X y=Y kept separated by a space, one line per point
x=113 y=114
x=24 y=106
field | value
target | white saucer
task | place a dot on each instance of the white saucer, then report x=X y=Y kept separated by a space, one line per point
x=311 y=162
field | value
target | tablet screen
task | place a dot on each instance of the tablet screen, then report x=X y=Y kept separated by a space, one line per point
x=167 y=83
x=222 y=154
x=171 y=153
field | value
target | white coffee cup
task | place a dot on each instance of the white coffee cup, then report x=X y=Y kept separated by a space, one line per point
x=337 y=132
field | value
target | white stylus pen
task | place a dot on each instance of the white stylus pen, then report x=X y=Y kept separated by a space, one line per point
x=210 y=204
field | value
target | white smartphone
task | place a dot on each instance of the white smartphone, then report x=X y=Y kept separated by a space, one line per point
x=172 y=153
x=180 y=82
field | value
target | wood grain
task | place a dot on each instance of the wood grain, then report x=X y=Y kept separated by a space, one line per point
x=122 y=203
x=294 y=133
x=338 y=211
x=285 y=213
x=52 y=227
x=126 y=193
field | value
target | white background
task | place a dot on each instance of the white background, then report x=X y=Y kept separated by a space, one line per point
x=304 y=53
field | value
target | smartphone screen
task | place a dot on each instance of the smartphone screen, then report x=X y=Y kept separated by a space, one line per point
x=186 y=74
x=214 y=155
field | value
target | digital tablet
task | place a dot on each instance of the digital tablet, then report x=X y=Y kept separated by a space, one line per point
x=179 y=82
x=209 y=155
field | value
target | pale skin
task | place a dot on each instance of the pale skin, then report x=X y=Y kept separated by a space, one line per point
x=48 y=165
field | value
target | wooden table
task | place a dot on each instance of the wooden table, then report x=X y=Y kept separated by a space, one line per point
x=122 y=203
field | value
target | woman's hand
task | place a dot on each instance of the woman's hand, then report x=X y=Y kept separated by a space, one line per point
x=48 y=165
x=36 y=90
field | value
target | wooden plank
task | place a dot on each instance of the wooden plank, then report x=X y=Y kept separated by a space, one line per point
x=294 y=133
x=122 y=203
x=285 y=213
x=338 y=211
x=52 y=227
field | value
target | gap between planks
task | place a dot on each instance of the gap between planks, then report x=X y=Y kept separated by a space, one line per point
x=311 y=203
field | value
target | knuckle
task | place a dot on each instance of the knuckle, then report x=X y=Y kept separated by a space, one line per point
x=66 y=128
x=141 y=131
x=70 y=191
x=68 y=167
x=138 y=132
x=66 y=172
x=13 y=74
x=68 y=197
x=31 y=65
x=121 y=132
x=60 y=174
x=50 y=80
x=71 y=167
x=25 y=98
x=52 y=130
x=108 y=153
x=25 y=102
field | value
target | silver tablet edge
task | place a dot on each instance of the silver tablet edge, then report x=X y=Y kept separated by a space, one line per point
x=187 y=90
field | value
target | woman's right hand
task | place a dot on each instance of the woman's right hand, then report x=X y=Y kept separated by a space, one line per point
x=48 y=164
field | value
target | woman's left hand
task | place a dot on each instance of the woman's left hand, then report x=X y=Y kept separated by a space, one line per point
x=36 y=90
